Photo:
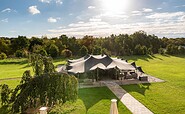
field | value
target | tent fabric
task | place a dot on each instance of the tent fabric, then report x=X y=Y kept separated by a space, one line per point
x=92 y=62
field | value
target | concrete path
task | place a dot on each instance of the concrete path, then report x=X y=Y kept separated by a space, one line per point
x=130 y=102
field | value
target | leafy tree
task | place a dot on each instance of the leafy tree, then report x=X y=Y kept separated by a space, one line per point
x=83 y=51
x=5 y=91
x=3 y=56
x=97 y=50
x=53 y=50
x=66 y=53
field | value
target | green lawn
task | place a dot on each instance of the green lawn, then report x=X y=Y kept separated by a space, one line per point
x=97 y=101
x=161 y=98
x=91 y=101
x=11 y=68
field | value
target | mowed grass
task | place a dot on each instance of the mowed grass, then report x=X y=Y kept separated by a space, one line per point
x=12 y=68
x=161 y=98
x=98 y=101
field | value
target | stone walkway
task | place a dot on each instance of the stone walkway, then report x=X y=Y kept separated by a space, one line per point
x=130 y=102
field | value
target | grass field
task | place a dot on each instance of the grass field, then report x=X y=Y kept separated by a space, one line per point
x=161 y=98
x=11 y=68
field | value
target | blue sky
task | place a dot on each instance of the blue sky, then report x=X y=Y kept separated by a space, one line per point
x=164 y=18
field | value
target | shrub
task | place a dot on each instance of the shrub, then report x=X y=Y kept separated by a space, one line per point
x=19 y=53
x=3 y=56
x=66 y=53
x=161 y=51
x=83 y=51
x=53 y=50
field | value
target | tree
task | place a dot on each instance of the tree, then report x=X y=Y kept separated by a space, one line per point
x=96 y=50
x=53 y=50
x=66 y=53
x=83 y=51
x=3 y=56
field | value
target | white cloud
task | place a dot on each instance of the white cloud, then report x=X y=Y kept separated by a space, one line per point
x=33 y=10
x=159 y=8
x=53 y=20
x=49 y=1
x=136 y=13
x=180 y=6
x=59 y=2
x=165 y=15
x=5 y=20
x=91 y=7
x=98 y=27
x=147 y=10
x=6 y=10
x=45 y=1
x=94 y=20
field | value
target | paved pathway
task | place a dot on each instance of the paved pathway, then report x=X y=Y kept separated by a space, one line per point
x=130 y=102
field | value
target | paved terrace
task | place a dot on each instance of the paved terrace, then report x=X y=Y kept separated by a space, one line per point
x=89 y=83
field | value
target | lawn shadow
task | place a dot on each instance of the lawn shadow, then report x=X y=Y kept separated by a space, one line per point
x=180 y=56
x=91 y=96
x=21 y=62
x=139 y=88
x=137 y=57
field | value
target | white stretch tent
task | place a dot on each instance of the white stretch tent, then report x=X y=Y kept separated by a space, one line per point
x=92 y=62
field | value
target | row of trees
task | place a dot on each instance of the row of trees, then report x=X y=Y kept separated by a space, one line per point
x=138 y=43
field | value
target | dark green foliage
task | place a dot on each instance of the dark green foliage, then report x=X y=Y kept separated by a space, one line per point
x=83 y=51
x=20 y=43
x=116 y=45
x=66 y=53
x=19 y=53
x=5 y=92
x=161 y=51
x=38 y=49
x=41 y=64
x=140 y=50
x=3 y=56
x=53 y=50
x=96 y=50
x=172 y=49
x=46 y=87
x=45 y=90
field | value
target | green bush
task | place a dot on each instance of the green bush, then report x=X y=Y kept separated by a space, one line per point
x=83 y=51
x=3 y=56
x=161 y=51
x=66 y=53
x=53 y=50
x=19 y=53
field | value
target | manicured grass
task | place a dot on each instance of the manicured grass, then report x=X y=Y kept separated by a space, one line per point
x=97 y=101
x=11 y=68
x=161 y=98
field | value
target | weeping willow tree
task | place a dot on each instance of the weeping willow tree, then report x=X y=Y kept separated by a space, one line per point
x=45 y=88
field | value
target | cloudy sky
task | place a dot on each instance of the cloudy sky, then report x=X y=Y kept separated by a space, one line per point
x=164 y=18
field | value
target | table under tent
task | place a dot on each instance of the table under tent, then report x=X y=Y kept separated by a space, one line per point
x=99 y=67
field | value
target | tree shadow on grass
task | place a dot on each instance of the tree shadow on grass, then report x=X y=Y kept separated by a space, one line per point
x=21 y=62
x=139 y=88
x=91 y=96
x=142 y=57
